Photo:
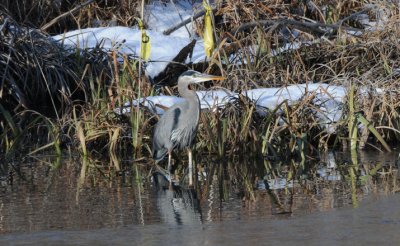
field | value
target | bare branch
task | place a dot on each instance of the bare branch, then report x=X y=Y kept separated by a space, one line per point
x=319 y=28
x=55 y=20
x=188 y=20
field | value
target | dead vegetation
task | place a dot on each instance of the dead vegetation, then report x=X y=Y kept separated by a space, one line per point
x=67 y=100
x=38 y=13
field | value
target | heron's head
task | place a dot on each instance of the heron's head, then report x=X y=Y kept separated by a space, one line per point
x=193 y=77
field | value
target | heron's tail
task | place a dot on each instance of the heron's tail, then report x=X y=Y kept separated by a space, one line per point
x=159 y=154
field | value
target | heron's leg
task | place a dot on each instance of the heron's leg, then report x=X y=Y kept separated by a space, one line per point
x=190 y=167
x=169 y=164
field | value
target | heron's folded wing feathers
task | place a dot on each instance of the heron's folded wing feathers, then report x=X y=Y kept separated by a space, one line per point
x=164 y=129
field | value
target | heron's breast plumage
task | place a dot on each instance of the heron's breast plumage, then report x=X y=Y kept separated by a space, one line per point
x=185 y=131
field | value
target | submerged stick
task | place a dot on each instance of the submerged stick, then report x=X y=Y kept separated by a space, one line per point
x=55 y=20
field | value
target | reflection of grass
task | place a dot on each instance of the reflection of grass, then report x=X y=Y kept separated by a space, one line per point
x=241 y=179
x=130 y=198
x=99 y=189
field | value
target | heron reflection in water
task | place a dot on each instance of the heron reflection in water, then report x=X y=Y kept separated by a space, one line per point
x=178 y=126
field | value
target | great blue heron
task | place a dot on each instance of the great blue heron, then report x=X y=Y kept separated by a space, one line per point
x=178 y=126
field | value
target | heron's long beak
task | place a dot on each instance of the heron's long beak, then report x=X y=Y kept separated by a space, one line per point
x=207 y=77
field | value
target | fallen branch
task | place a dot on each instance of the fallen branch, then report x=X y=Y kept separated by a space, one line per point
x=188 y=20
x=55 y=20
x=354 y=15
x=4 y=24
x=319 y=28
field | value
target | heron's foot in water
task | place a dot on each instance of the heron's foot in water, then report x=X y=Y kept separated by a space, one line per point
x=170 y=178
x=173 y=180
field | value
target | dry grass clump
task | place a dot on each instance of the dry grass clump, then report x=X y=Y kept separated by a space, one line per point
x=38 y=13
x=36 y=73
x=319 y=32
x=47 y=92
x=237 y=13
x=239 y=130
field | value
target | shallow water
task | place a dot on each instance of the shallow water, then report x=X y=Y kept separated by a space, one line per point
x=46 y=207
x=377 y=220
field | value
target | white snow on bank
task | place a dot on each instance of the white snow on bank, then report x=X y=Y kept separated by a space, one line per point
x=127 y=41
x=159 y=16
x=162 y=16
x=208 y=100
x=214 y=99
x=327 y=99
x=155 y=104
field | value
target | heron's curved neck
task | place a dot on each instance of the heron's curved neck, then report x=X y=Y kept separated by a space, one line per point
x=185 y=92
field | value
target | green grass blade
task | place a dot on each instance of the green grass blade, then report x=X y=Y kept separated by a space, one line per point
x=361 y=119
x=352 y=126
x=9 y=120
x=42 y=148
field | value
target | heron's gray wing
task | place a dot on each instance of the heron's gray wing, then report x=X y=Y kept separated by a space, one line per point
x=162 y=135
